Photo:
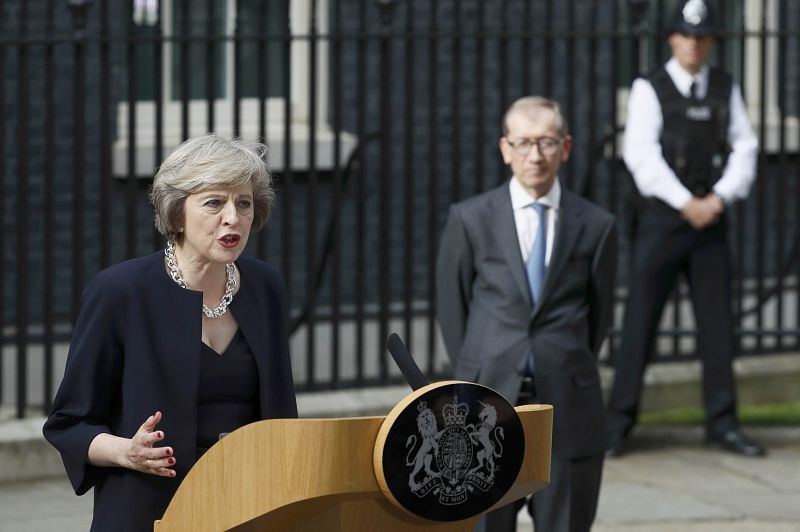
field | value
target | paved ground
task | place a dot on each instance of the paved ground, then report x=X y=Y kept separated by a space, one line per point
x=667 y=483
x=670 y=482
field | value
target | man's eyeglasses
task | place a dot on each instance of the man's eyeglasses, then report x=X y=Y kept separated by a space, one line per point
x=545 y=145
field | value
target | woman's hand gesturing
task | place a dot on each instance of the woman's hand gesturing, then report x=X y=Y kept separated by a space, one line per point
x=141 y=455
x=137 y=453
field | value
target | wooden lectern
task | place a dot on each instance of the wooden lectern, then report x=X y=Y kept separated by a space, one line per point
x=300 y=475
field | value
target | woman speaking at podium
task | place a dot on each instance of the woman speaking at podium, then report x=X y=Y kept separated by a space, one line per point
x=175 y=348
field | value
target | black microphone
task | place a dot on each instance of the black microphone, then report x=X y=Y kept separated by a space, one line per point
x=415 y=378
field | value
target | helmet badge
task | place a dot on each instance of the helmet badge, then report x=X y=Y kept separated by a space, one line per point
x=694 y=11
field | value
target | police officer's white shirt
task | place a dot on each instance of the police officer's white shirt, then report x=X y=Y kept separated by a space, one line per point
x=642 y=149
x=527 y=220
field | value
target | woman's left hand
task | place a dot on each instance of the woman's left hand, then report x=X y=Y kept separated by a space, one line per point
x=142 y=455
x=137 y=453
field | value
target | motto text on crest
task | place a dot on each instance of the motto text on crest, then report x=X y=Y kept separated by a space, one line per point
x=455 y=460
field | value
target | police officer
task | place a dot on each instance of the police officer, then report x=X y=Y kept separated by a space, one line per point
x=692 y=152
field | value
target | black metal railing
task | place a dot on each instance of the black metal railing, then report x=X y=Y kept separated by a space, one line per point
x=379 y=114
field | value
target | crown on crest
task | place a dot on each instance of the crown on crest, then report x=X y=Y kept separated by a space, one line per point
x=455 y=413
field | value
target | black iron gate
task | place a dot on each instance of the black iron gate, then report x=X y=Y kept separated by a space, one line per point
x=379 y=114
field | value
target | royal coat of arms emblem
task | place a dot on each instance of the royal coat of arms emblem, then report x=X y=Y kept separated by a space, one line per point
x=451 y=452
x=459 y=458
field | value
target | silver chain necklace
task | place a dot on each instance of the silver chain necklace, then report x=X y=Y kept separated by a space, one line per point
x=230 y=282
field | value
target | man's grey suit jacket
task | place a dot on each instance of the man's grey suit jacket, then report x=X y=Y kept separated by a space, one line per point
x=489 y=324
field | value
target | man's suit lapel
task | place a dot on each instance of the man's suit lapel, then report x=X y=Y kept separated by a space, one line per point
x=505 y=230
x=568 y=228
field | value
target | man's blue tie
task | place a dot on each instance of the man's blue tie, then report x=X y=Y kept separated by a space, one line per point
x=536 y=266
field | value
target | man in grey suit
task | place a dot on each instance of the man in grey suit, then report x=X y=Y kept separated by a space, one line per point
x=524 y=286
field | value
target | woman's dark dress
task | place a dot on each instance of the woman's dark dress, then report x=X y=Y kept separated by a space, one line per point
x=228 y=393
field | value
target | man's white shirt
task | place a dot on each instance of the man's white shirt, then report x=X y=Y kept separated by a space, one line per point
x=642 y=148
x=527 y=220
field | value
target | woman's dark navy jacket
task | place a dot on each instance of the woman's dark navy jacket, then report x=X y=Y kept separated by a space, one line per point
x=135 y=349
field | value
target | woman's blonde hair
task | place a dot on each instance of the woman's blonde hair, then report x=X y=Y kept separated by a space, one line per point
x=210 y=162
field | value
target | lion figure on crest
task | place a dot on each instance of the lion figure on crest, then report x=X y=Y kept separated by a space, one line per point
x=428 y=430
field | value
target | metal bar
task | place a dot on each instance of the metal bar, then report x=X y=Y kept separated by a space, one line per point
x=722 y=43
x=184 y=71
x=237 y=75
x=455 y=108
x=48 y=225
x=385 y=209
x=548 y=51
x=21 y=219
x=104 y=128
x=361 y=131
x=783 y=50
x=336 y=123
x=677 y=323
x=676 y=296
x=479 y=104
x=408 y=173
x=740 y=218
x=613 y=174
x=527 y=43
x=614 y=82
x=263 y=68
x=3 y=192
x=210 y=65
x=158 y=92
x=131 y=188
x=569 y=170
x=433 y=182
x=742 y=42
x=762 y=173
x=288 y=176
x=739 y=271
x=796 y=270
x=656 y=41
x=503 y=75
x=78 y=167
x=592 y=44
x=722 y=53
x=311 y=204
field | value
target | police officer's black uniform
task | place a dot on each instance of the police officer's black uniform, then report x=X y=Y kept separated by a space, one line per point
x=694 y=143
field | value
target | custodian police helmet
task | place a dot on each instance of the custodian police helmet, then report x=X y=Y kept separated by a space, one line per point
x=694 y=17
